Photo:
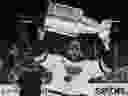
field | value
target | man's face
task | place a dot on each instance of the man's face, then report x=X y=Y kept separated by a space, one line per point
x=73 y=49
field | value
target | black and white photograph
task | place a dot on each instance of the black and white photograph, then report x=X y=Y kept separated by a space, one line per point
x=65 y=48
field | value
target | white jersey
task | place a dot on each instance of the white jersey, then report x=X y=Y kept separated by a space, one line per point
x=79 y=84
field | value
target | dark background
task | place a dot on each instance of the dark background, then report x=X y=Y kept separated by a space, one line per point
x=96 y=9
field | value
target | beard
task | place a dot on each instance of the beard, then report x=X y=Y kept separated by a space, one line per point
x=74 y=54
